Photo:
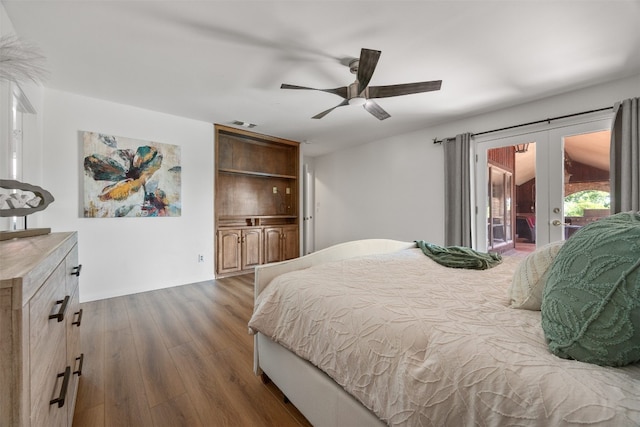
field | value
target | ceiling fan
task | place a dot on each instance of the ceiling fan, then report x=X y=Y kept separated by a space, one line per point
x=360 y=93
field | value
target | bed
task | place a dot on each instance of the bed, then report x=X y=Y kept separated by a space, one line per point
x=373 y=332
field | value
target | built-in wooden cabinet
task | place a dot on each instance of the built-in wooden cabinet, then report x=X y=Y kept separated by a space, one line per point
x=228 y=250
x=256 y=200
x=280 y=243
x=251 y=244
x=238 y=249
x=40 y=318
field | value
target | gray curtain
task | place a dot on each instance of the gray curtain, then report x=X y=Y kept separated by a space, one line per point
x=457 y=191
x=625 y=157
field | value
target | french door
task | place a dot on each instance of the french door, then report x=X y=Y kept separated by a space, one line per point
x=522 y=201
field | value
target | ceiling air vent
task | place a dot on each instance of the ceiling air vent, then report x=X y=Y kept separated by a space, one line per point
x=244 y=124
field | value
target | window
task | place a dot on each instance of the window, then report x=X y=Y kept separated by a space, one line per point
x=19 y=107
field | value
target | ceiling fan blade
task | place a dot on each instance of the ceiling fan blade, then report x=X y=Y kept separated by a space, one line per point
x=376 y=110
x=366 y=67
x=403 y=89
x=340 y=91
x=325 y=112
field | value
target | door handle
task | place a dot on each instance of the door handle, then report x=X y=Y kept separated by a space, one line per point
x=557 y=222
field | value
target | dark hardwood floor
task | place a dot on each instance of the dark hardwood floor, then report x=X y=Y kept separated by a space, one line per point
x=176 y=357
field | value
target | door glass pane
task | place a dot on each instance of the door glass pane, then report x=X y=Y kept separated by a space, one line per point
x=525 y=196
x=586 y=179
x=497 y=206
x=500 y=214
x=507 y=206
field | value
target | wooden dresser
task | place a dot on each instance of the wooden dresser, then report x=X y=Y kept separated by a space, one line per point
x=40 y=316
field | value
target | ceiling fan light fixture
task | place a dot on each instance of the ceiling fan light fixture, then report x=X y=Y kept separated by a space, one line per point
x=357 y=100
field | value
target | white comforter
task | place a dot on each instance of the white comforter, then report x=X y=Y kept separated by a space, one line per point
x=425 y=345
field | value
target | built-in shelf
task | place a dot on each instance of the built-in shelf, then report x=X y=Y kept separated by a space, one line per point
x=255 y=220
x=256 y=200
x=258 y=174
x=231 y=217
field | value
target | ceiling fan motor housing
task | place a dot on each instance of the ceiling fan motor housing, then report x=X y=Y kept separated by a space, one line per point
x=353 y=66
x=352 y=91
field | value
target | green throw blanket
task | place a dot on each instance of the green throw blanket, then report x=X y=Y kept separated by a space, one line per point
x=459 y=256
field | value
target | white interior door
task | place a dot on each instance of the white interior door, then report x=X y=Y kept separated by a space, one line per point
x=307 y=208
x=550 y=175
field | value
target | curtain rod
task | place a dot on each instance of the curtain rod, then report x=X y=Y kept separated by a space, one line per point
x=438 y=141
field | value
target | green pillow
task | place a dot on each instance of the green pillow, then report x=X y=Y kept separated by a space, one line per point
x=591 y=301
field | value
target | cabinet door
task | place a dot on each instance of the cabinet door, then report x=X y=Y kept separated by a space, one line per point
x=290 y=243
x=47 y=351
x=272 y=244
x=229 y=253
x=251 y=247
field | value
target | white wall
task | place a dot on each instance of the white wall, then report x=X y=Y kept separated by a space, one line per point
x=128 y=255
x=393 y=188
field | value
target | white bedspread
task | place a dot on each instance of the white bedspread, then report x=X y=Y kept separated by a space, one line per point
x=425 y=345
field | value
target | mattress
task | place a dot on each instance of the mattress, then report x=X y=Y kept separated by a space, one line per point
x=420 y=344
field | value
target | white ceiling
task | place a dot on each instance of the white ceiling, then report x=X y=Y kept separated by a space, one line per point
x=219 y=61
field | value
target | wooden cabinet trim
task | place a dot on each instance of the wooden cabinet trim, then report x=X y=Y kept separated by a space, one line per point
x=253 y=135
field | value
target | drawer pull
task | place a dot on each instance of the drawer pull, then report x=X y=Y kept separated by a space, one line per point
x=81 y=359
x=63 y=390
x=77 y=322
x=63 y=307
x=76 y=271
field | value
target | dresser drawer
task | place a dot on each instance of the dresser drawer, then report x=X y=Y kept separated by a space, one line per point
x=47 y=358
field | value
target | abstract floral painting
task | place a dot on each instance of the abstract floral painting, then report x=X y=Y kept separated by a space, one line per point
x=124 y=177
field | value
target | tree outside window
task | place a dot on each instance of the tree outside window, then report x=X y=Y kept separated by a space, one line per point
x=576 y=203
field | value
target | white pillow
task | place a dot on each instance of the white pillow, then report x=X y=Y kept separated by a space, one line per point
x=530 y=276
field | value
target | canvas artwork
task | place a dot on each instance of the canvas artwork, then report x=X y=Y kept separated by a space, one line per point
x=125 y=177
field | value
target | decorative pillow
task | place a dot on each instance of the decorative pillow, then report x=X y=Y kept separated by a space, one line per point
x=530 y=276
x=591 y=301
